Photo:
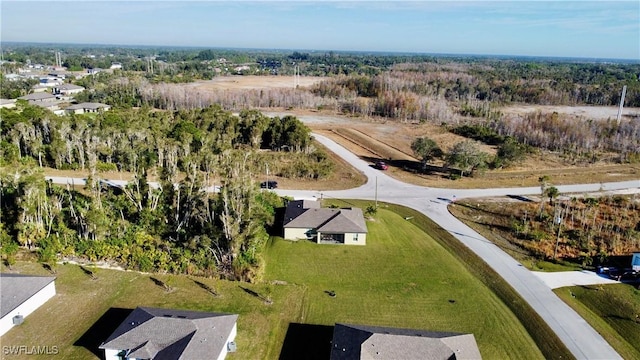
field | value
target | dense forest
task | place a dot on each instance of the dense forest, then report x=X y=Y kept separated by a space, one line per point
x=176 y=226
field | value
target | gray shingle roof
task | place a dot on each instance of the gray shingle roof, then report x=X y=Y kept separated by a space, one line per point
x=88 y=105
x=172 y=334
x=38 y=96
x=372 y=342
x=66 y=87
x=323 y=219
x=15 y=289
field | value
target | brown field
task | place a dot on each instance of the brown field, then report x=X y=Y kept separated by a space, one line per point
x=244 y=82
x=374 y=139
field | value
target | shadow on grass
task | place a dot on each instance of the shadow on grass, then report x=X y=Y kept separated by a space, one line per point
x=305 y=341
x=101 y=329
x=206 y=287
x=267 y=300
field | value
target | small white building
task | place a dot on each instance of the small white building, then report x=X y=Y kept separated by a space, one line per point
x=20 y=295
x=115 y=66
x=87 y=107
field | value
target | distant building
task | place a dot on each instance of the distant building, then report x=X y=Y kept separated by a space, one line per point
x=116 y=66
x=13 y=77
x=39 y=97
x=67 y=89
x=7 y=103
x=87 y=107
x=20 y=295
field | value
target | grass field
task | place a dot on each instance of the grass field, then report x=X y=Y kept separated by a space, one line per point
x=612 y=310
x=401 y=278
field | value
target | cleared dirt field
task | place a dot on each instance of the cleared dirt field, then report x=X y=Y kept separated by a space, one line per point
x=242 y=82
x=374 y=139
x=585 y=112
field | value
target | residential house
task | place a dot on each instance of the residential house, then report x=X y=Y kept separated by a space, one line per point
x=7 y=103
x=53 y=106
x=87 y=107
x=39 y=97
x=115 y=66
x=351 y=342
x=67 y=89
x=305 y=219
x=153 y=333
x=51 y=81
x=20 y=295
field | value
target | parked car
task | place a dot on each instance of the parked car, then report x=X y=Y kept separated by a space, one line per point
x=269 y=184
x=381 y=165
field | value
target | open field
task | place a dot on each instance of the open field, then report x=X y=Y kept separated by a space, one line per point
x=612 y=310
x=402 y=277
x=244 y=82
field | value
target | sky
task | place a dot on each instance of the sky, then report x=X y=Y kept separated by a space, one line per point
x=579 y=28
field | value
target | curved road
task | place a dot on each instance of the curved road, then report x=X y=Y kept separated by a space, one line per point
x=579 y=337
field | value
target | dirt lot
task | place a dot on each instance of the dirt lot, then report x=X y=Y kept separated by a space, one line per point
x=240 y=82
x=374 y=139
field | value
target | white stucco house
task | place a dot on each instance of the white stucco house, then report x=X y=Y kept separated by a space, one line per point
x=20 y=295
x=305 y=219
x=154 y=333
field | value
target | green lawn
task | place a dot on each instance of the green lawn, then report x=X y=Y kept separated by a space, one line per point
x=612 y=310
x=401 y=278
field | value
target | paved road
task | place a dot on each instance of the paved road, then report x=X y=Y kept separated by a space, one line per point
x=579 y=337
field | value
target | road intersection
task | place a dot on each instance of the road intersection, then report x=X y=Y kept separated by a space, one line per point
x=579 y=337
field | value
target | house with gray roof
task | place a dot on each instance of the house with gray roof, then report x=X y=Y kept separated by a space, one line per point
x=305 y=219
x=154 y=333
x=355 y=342
x=87 y=107
x=68 y=89
x=39 y=97
x=20 y=295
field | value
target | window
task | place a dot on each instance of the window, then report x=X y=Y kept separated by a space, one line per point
x=355 y=237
